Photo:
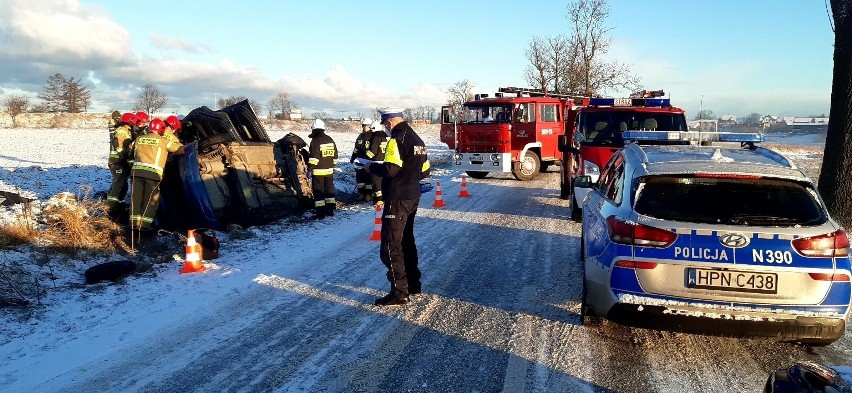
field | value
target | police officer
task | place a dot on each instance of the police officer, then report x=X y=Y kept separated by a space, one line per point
x=405 y=163
x=377 y=143
x=150 y=152
x=363 y=183
x=322 y=157
x=119 y=151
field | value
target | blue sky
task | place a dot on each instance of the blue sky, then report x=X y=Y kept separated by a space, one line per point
x=342 y=57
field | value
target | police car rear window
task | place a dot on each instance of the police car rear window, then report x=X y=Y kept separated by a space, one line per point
x=745 y=202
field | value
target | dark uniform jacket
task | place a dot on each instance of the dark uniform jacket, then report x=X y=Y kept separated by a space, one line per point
x=119 y=145
x=322 y=154
x=404 y=165
x=362 y=145
x=376 y=145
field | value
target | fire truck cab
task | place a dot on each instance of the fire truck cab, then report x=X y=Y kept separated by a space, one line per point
x=514 y=132
x=596 y=134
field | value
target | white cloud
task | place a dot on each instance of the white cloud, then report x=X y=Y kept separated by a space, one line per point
x=171 y=43
x=58 y=30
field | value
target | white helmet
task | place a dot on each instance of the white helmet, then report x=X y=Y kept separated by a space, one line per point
x=366 y=121
x=318 y=124
x=377 y=126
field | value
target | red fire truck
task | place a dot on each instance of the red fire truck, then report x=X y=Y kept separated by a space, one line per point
x=595 y=134
x=513 y=132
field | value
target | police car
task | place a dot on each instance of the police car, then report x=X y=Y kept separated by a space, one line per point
x=728 y=239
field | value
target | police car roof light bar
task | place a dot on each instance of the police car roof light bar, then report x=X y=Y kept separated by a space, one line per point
x=628 y=102
x=693 y=136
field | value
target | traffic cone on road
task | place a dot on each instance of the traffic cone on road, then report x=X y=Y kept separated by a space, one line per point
x=192 y=262
x=377 y=224
x=463 y=193
x=439 y=196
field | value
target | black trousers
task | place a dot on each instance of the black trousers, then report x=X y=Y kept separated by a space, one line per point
x=324 y=193
x=398 y=250
x=377 y=188
x=118 y=188
x=144 y=201
x=362 y=179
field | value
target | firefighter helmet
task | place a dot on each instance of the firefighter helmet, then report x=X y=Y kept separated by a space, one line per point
x=318 y=124
x=366 y=122
x=141 y=118
x=377 y=126
x=157 y=125
x=173 y=122
x=128 y=118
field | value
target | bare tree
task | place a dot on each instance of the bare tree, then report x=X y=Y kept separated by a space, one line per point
x=77 y=96
x=280 y=105
x=537 y=72
x=62 y=94
x=320 y=115
x=256 y=106
x=459 y=93
x=835 y=178
x=150 y=99
x=15 y=104
x=590 y=37
x=222 y=102
x=53 y=93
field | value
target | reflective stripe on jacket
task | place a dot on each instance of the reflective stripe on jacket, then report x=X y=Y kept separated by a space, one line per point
x=404 y=165
x=150 y=153
x=119 y=144
x=322 y=154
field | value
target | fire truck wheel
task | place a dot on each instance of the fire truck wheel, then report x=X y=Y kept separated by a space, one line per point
x=528 y=168
x=477 y=174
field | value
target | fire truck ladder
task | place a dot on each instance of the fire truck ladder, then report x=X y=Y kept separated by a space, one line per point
x=530 y=92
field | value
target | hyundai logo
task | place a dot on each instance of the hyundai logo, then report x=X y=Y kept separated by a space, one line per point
x=734 y=240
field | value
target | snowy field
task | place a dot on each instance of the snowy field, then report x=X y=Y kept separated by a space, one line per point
x=77 y=324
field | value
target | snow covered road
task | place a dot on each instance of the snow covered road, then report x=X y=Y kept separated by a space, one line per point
x=289 y=306
x=499 y=313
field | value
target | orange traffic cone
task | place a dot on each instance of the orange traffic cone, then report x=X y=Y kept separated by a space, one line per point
x=463 y=193
x=439 y=196
x=377 y=224
x=192 y=262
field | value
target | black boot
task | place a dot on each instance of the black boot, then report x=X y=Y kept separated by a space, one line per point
x=392 y=300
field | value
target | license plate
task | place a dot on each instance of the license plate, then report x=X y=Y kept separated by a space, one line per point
x=731 y=280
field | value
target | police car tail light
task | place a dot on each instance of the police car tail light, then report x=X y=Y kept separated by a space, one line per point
x=635 y=264
x=635 y=234
x=835 y=244
x=829 y=276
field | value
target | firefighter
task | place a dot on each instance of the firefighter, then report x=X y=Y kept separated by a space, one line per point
x=405 y=163
x=119 y=150
x=141 y=124
x=114 y=119
x=173 y=127
x=378 y=142
x=363 y=183
x=150 y=152
x=322 y=158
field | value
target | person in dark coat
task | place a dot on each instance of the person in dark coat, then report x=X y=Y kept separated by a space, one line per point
x=321 y=162
x=377 y=144
x=405 y=164
x=363 y=185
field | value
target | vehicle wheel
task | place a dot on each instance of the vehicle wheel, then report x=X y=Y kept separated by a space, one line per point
x=477 y=174
x=576 y=212
x=528 y=168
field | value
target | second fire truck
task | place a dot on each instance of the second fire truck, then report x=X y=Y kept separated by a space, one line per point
x=525 y=131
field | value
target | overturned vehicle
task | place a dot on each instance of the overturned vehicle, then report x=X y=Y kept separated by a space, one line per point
x=231 y=173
